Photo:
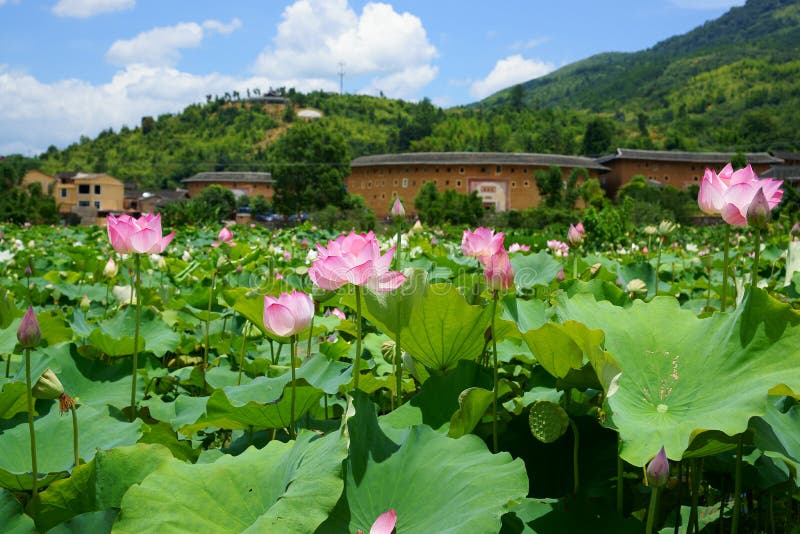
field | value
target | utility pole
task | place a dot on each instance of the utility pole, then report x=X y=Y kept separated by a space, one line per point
x=341 y=78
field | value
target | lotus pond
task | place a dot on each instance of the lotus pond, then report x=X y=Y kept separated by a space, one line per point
x=458 y=401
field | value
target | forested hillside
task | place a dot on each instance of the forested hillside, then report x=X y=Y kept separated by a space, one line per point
x=732 y=84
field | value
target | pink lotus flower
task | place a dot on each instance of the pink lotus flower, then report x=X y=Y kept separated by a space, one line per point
x=384 y=524
x=482 y=243
x=730 y=193
x=225 y=236
x=110 y=270
x=558 y=248
x=397 y=209
x=288 y=314
x=516 y=247
x=498 y=271
x=336 y=312
x=29 y=333
x=576 y=234
x=658 y=470
x=355 y=259
x=142 y=235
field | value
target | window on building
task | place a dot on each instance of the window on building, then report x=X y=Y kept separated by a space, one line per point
x=83 y=203
x=96 y=189
x=414 y=183
x=394 y=182
x=461 y=170
x=63 y=192
x=695 y=178
x=514 y=184
x=449 y=169
x=526 y=183
x=447 y=182
x=383 y=195
x=437 y=169
x=83 y=189
x=369 y=184
x=498 y=169
x=405 y=182
x=97 y=204
x=458 y=183
x=483 y=169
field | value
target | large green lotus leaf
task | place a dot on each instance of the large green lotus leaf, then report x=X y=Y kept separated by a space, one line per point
x=13 y=399
x=642 y=271
x=437 y=327
x=249 y=303
x=527 y=314
x=97 y=485
x=237 y=412
x=437 y=399
x=547 y=516
x=284 y=487
x=778 y=435
x=682 y=375
x=100 y=428
x=114 y=337
x=601 y=289
x=12 y=518
x=94 y=522
x=534 y=269
x=434 y=483
x=473 y=403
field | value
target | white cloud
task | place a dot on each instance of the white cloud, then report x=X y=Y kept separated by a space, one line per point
x=403 y=84
x=34 y=115
x=510 y=71
x=88 y=8
x=2 y=2
x=161 y=46
x=316 y=35
x=707 y=4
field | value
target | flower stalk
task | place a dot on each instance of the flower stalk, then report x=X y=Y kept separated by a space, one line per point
x=495 y=297
x=292 y=357
x=29 y=394
x=137 y=286
x=357 y=364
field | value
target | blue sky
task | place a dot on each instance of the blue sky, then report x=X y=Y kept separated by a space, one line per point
x=74 y=67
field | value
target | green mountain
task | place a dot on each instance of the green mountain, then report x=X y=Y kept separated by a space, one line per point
x=731 y=83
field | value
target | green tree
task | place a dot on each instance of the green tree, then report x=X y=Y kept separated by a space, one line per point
x=310 y=163
x=216 y=202
x=550 y=184
x=598 y=137
x=259 y=204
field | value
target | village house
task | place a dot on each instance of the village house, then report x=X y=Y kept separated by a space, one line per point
x=671 y=167
x=241 y=183
x=137 y=201
x=788 y=170
x=504 y=181
x=88 y=196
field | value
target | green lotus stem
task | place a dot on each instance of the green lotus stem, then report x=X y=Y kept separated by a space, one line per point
x=73 y=409
x=272 y=352
x=108 y=286
x=575 y=265
x=652 y=510
x=771 y=513
x=325 y=401
x=8 y=366
x=658 y=261
x=398 y=369
x=208 y=323
x=241 y=355
x=693 y=519
x=310 y=336
x=678 y=518
x=737 y=480
x=138 y=289
x=292 y=355
x=756 y=257
x=29 y=394
x=575 y=449
x=495 y=296
x=357 y=364
x=725 y=260
x=620 y=478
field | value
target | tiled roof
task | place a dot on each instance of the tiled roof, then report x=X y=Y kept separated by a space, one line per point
x=254 y=177
x=477 y=158
x=690 y=157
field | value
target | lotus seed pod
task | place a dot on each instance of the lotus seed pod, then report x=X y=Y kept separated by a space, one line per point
x=636 y=286
x=48 y=386
x=85 y=303
x=387 y=350
x=666 y=227
x=548 y=421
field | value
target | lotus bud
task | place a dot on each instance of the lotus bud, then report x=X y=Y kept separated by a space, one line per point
x=110 y=270
x=28 y=271
x=650 y=230
x=666 y=227
x=398 y=211
x=758 y=214
x=221 y=262
x=658 y=470
x=416 y=228
x=48 y=386
x=186 y=256
x=85 y=303
x=239 y=269
x=29 y=332
x=636 y=286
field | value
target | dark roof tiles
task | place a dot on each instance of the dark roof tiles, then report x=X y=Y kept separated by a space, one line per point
x=476 y=158
x=691 y=157
x=253 y=177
